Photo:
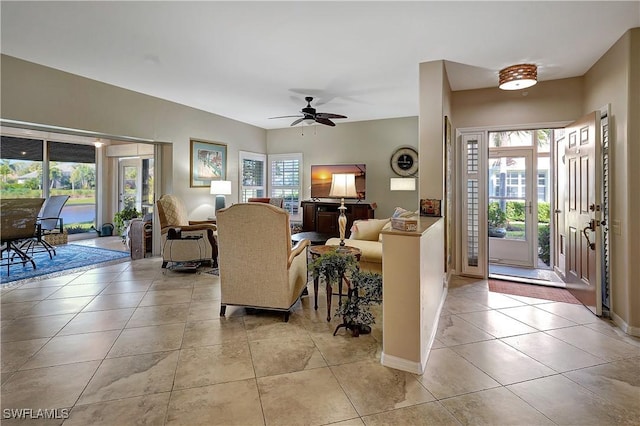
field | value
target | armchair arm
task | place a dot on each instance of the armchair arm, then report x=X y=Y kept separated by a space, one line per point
x=197 y=226
x=297 y=249
x=59 y=222
x=201 y=222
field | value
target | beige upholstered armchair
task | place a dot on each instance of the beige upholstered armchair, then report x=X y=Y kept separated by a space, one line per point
x=179 y=235
x=258 y=266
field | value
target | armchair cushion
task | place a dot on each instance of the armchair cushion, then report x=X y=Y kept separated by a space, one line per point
x=172 y=211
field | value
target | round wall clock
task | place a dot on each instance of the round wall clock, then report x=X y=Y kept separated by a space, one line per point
x=404 y=161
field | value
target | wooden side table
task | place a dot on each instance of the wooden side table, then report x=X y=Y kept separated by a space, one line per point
x=319 y=250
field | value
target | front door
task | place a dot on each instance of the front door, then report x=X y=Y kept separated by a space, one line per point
x=512 y=207
x=130 y=184
x=582 y=211
x=559 y=215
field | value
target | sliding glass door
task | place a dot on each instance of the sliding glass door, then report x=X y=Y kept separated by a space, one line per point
x=39 y=168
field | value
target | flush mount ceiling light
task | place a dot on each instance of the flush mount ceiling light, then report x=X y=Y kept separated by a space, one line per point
x=518 y=76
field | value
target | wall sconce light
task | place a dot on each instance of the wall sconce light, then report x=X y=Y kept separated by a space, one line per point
x=220 y=188
x=402 y=184
x=343 y=185
x=518 y=77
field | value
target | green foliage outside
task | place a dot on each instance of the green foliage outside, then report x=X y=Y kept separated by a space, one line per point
x=514 y=219
x=79 y=228
x=544 y=246
x=516 y=210
x=497 y=217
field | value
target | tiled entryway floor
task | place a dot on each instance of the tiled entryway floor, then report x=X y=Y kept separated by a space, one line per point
x=127 y=344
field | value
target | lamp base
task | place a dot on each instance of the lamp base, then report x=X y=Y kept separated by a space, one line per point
x=342 y=248
x=220 y=202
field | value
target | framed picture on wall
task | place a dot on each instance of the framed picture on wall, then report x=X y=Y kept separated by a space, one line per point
x=430 y=207
x=208 y=162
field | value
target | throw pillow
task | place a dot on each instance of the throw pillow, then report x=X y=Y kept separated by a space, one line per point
x=368 y=230
x=384 y=228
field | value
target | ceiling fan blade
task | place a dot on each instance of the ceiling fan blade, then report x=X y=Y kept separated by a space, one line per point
x=299 y=120
x=329 y=115
x=325 y=121
x=286 y=116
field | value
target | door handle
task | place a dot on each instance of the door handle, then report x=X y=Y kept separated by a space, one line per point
x=557 y=211
x=591 y=226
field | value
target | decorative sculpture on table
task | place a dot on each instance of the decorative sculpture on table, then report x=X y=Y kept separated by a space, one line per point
x=343 y=185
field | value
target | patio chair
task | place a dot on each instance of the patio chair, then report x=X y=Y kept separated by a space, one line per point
x=17 y=222
x=49 y=222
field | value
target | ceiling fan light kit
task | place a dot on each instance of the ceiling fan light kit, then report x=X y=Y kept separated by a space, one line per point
x=310 y=116
x=518 y=77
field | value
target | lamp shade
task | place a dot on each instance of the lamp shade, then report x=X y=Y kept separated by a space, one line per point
x=220 y=187
x=518 y=76
x=402 y=184
x=343 y=185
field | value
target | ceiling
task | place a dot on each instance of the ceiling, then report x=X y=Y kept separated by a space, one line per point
x=253 y=60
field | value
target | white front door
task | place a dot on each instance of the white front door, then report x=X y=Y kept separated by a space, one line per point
x=511 y=194
x=582 y=211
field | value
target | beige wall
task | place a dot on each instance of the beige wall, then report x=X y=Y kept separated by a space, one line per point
x=615 y=80
x=546 y=102
x=369 y=142
x=435 y=104
x=37 y=94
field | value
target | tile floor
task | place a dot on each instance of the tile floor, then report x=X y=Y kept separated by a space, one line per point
x=129 y=344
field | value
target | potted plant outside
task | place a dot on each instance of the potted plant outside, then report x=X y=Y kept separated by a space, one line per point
x=497 y=221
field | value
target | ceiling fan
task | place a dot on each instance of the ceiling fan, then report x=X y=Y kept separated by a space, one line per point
x=309 y=115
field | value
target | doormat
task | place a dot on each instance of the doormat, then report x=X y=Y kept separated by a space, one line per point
x=532 y=290
x=69 y=258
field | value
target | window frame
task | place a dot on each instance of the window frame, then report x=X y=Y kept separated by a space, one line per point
x=246 y=155
x=293 y=209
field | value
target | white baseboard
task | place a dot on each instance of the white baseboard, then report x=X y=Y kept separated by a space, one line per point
x=401 y=364
x=632 y=331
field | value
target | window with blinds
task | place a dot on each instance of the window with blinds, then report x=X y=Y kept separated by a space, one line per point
x=285 y=177
x=474 y=217
x=252 y=175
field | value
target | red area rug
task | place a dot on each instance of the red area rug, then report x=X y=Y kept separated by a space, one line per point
x=532 y=290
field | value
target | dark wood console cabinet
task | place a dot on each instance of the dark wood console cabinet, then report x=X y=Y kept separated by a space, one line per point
x=322 y=216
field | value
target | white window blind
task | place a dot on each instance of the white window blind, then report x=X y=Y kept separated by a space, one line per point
x=473 y=215
x=252 y=175
x=285 y=178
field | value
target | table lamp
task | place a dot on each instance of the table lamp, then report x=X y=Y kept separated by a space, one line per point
x=343 y=185
x=220 y=188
